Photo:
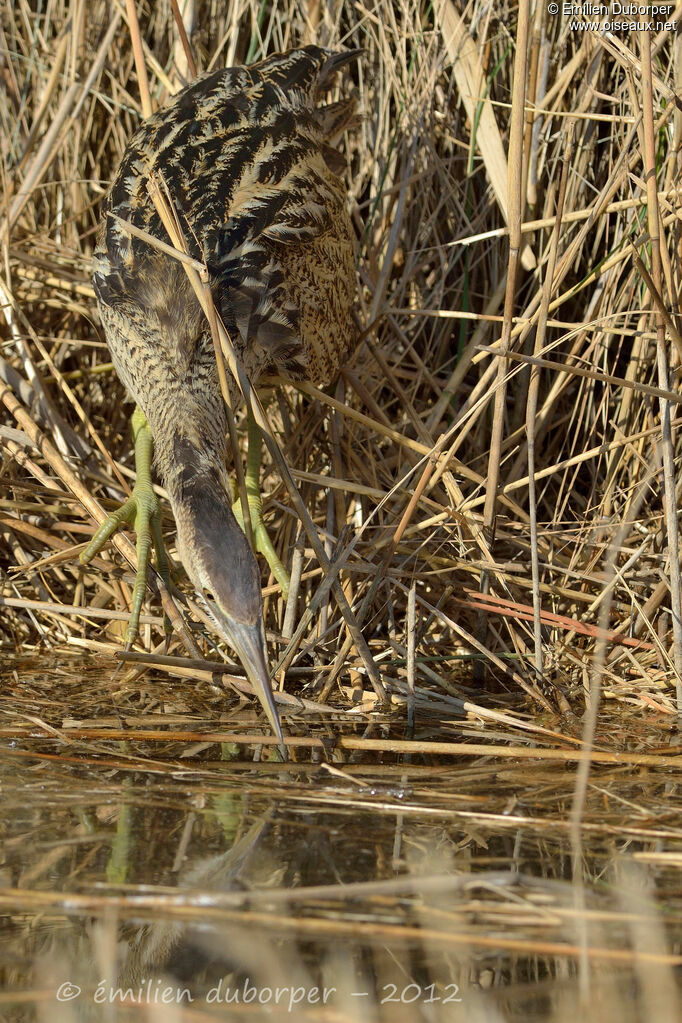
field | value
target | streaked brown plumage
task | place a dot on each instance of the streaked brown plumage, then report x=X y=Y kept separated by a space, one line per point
x=247 y=158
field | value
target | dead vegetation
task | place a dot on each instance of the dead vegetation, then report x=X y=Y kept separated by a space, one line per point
x=495 y=475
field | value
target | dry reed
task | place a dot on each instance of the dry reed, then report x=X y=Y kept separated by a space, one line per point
x=494 y=478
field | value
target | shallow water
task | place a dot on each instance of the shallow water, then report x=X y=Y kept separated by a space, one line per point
x=150 y=865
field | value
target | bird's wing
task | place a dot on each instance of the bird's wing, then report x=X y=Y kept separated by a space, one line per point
x=285 y=195
x=246 y=158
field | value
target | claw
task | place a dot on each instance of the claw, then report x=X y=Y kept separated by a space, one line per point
x=142 y=512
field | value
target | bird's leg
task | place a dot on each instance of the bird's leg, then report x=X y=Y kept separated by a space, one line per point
x=261 y=538
x=141 y=511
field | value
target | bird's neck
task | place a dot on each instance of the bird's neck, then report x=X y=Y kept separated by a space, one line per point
x=210 y=542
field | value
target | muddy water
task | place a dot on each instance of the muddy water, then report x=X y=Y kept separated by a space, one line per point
x=153 y=868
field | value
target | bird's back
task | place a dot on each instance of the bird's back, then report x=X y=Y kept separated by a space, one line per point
x=247 y=157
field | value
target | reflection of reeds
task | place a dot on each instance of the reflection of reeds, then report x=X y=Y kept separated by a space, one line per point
x=304 y=900
x=133 y=850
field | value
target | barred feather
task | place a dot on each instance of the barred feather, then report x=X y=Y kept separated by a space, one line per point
x=247 y=157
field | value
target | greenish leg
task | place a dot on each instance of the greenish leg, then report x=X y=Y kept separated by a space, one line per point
x=260 y=534
x=141 y=511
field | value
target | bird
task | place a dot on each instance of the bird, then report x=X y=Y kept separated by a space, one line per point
x=248 y=158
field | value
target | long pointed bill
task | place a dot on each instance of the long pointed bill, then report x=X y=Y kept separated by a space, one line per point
x=249 y=646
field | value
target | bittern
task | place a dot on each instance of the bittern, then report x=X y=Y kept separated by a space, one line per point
x=247 y=157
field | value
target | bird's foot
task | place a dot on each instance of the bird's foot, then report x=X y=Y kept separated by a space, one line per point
x=261 y=537
x=142 y=512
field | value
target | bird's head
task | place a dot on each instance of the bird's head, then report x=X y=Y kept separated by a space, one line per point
x=221 y=565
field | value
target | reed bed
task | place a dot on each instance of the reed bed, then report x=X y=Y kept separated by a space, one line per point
x=495 y=475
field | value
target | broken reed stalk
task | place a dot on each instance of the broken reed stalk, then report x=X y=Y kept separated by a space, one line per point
x=662 y=357
x=532 y=407
x=515 y=200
